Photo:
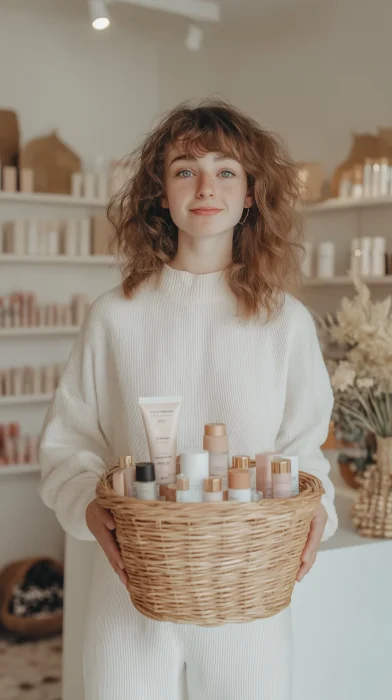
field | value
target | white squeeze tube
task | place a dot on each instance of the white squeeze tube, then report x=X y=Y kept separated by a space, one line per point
x=160 y=416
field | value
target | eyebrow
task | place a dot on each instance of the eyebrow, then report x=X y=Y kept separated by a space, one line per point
x=184 y=156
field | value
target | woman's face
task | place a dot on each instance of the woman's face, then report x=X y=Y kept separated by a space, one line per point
x=206 y=194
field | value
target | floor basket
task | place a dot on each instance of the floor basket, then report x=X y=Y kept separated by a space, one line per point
x=211 y=563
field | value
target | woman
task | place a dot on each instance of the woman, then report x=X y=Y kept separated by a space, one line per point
x=206 y=230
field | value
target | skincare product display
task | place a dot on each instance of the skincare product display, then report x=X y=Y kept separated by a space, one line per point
x=71 y=238
x=369 y=257
x=372 y=179
x=91 y=185
x=11 y=177
x=16 y=448
x=202 y=474
x=21 y=310
x=30 y=381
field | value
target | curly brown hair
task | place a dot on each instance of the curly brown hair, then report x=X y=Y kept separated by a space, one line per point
x=265 y=260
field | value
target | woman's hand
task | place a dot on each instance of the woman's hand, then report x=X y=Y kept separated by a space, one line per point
x=100 y=522
x=309 y=553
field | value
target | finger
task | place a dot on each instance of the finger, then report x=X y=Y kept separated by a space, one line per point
x=110 y=547
x=306 y=566
x=106 y=517
x=123 y=577
x=314 y=538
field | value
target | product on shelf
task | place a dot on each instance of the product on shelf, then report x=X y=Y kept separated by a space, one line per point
x=30 y=381
x=21 y=310
x=311 y=176
x=369 y=257
x=53 y=163
x=16 y=448
x=73 y=237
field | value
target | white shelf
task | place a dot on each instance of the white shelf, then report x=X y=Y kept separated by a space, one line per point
x=18 y=469
x=51 y=199
x=57 y=259
x=344 y=280
x=341 y=203
x=40 y=330
x=24 y=399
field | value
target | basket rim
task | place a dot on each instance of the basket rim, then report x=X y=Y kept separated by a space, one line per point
x=105 y=493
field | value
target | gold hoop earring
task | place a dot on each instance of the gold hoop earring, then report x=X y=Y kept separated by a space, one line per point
x=241 y=223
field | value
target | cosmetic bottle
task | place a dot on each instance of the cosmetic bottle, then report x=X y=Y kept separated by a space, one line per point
x=345 y=185
x=294 y=470
x=378 y=256
x=171 y=493
x=84 y=237
x=76 y=184
x=127 y=463
x=146 y=488
x=212 y=491
x=118 y=483
x=183 y=492
x=307 y=262
x=52 y=237
x=71 y=238
x=162 y=489
x=26 y=180
x=195 y=465
x=366 y=256
x=89 y=185
x=9 y=179
x=19 y=237
x=264 y=473
x=376 y=179
x=325 y=260
x=239 y=485
x=16 y=373
x=384 y=177
x=281 y=478
x=357 y=188
x=368 y=177
x=215 y=441
x=356 y=252
x=240 y=462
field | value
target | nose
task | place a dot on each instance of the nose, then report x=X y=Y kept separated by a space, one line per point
x=205 y=188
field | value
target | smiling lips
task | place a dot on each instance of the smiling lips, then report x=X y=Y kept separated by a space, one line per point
x=205 y=211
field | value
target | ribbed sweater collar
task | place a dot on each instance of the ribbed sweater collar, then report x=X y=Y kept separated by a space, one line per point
x=187 y=287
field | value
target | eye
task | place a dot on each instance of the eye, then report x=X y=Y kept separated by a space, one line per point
x=184 y=173
x=227 y=174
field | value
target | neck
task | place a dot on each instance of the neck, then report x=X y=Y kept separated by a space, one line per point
x=201 y=256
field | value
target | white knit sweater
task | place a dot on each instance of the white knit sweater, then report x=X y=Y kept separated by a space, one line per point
x=266 y=381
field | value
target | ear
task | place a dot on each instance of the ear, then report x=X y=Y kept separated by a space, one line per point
x=164 y=203
x=248 y=201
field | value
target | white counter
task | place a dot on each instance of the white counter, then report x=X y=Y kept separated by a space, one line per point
x=342 y=615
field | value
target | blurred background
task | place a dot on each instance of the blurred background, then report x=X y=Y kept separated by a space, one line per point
x=81 y=83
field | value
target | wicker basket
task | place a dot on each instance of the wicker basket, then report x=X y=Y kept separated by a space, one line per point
x=211 y=563
x=26 y=627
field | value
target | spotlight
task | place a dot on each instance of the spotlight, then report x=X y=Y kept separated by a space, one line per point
x=99 y=14
x=194 y=38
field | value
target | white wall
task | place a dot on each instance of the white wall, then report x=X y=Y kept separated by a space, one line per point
x=101 y=90
x=315 y=72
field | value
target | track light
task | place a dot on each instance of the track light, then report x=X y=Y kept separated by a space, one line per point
x=194 y=38
x=99 y=14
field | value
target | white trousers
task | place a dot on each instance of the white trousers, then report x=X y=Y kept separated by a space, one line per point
x=127 y=656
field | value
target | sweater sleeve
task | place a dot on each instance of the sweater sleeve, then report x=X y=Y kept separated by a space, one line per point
x=307 y=411
x=72 y=446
